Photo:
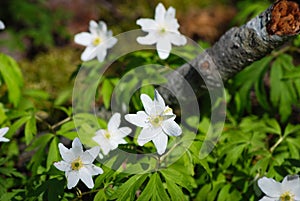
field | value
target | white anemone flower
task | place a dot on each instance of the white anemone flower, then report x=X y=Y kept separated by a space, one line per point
x=163 y=31
x=157 y=121
x=78 y=164
x=97 y=41
x=109 y=139
x=288 y=190
x=2 y=26
x=3 y=131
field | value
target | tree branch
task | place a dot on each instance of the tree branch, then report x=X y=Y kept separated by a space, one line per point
x=235 y=50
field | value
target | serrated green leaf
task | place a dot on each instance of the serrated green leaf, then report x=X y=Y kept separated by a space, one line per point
x=282 y=92
x=128 y=190
x=182 y=179
x=154 y=190
x=174 y=191
x=289 y=129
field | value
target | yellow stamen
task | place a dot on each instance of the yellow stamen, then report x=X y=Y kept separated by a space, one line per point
x=287 y=196
x=107 y=135
x=156 y=120
x=76 y=164
x=96 y=41
x=168 y=110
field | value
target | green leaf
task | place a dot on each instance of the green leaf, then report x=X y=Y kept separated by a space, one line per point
x=154 y=190
x=179 y=176
x=30 y=129
x=174 y=191
x=53 y=153
x=289 y=129
x=282 y=93
x=105 y=177
x=249 y=77
x=106 y=91
x=128 y=190
x=37 y=94
x=12 y=76
x=100 y=196
x=293 y=74
x=3 y=116
x=17 y=124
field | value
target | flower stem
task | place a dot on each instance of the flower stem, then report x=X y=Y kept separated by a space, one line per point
x=276 y=144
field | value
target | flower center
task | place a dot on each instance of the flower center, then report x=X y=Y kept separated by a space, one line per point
x=287 y=196
x=156 y=120
x=76 y=164
x=96 y=41
x=168 y=110
x=107 y=135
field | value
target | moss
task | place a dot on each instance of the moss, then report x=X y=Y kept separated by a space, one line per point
x=51 y=71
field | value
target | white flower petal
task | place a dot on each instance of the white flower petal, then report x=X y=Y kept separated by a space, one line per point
x=114 y=143
x=124 y=131
x=147 y=103
x=2 y=26
x=118 y=141
x=160 y=12
x=160 y=143
x=150 y=39
x=94 y=170
x=83 y=38
x=114 y=122
x=170 y=13
x=72 y=178
x=101 y=53
x=103 y=142
x=89 y=155
x=156 y=110
x=148 y=134
x=3 y=131
x=158 y=100
x=62 y=166
x=110 y=42
x=65 y=153
x=170 y=127
x=4 y=139
x=93 y=27
x=163 y=47
x=89 y=53
x=86 y=177
x=94 y=152
x=147 y=24
x=270 y=187
x=291 y=183
x=102 y=27
x=76 y=149
x=177 y=39
x=297 y=193
x=172 y=26
x=139 y=119
x=265 y=198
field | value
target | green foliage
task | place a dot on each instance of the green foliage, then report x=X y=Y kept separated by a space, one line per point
x=34 y=21
x=261 y=134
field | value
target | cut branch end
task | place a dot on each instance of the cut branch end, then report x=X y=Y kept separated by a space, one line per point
x=285 y=18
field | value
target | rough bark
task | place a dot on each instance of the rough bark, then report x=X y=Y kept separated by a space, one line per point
x=235 y=50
